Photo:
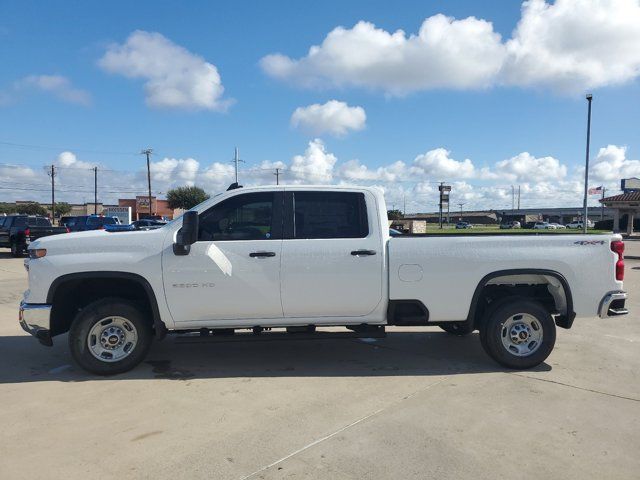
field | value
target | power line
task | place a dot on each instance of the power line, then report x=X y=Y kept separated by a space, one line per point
x=84 y=150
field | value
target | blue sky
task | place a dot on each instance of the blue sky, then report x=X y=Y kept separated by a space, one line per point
x=97 y=107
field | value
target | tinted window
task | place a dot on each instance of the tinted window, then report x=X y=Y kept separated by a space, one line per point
x=43 y=222
x=20 y=222
x=330 y=215
x=243 y=217
x=2 y=221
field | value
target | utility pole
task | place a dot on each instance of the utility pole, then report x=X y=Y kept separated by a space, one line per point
x=602 y=207
x=277 y=174
x=461 y=205
x=148 y=152
x=404 y=204
x=518 y=197
x=52 y=174
x=585 y=218
x=95 y=190
x=513 y=198
x=236 y=160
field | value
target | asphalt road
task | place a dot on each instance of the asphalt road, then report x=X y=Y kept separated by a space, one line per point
x=417 y=404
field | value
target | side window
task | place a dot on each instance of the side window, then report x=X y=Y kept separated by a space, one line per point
x=330 y=215
x=20 y=222
x=43 y=222
x=243 y=217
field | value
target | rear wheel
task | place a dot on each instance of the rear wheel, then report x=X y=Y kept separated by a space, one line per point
x=110 y=336
x=459 y=329
x=518 y=334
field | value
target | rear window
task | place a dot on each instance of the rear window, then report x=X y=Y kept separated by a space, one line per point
x=330 y=215
x=20 y=222
x=43 y=222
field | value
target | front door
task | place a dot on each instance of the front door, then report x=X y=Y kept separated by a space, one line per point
x=233 y=270
x=332 y=259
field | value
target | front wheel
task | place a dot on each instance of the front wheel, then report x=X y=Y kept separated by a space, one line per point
x=518 y=334
x=17 y=249
x=110 y=336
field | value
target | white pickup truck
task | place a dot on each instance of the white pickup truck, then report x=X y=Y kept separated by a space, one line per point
x=304 y=257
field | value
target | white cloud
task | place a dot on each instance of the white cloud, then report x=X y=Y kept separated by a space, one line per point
x=525 y=167
x=334 y=117
x=182 y=171
x=569 y=46
x=353 y=170
x=573 y=45
x=315 y=165
x=445 y=53
x=70 y=160
x=57 y=85
x=611 y=165
x=438 y=165
x=174 y=77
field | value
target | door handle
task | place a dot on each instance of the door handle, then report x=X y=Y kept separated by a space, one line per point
x=262 y=254
x=359 y=253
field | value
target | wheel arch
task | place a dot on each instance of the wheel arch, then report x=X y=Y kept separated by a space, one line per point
x=561 y=295
x=61 y=320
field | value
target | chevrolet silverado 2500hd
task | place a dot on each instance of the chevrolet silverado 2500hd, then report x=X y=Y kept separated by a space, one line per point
x=306 y=257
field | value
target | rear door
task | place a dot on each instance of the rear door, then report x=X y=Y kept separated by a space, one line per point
x=331 y=254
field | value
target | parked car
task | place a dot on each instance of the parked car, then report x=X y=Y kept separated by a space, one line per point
x=558 y=225
x=544 y=226
x=83 y=223
x=18 y=231
x=148 y=224
x=463 y=225
x=579 y=224
x=508 y=225
x=65 y=221
x=262 y=259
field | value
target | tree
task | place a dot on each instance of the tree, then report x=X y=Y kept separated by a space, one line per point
x=186 y=197
x=31 y=209
x=394 y=214
x=62 y=208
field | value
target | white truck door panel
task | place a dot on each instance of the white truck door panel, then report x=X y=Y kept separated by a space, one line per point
x=322 y=275
x=233 y=270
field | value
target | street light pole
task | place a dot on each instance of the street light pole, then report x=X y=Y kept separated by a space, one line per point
x=585 y=216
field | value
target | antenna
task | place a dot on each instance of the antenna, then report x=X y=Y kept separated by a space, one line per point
x=236 y=160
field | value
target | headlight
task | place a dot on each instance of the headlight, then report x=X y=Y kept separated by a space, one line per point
x=37 y=252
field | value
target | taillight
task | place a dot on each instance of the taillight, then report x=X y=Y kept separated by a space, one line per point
x=617 y=246
x=27 y=232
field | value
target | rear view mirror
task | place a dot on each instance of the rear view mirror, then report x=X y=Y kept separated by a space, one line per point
x=188 y=234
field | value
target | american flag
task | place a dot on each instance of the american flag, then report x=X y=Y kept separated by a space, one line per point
x=595 y=190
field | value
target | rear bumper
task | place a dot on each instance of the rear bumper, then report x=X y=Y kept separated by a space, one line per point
x=35 y=319
x=612 y=305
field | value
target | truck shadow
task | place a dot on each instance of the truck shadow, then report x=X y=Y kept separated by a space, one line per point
x=401 y=353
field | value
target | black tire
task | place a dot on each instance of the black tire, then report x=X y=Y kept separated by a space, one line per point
x=17 y=249
x=97 y=311
x=458 y=329
x=493 y=329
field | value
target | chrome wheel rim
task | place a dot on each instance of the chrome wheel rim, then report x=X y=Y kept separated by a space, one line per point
x=112 y=339
x=521 y=334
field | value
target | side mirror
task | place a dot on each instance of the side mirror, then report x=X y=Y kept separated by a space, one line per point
x=188 y=234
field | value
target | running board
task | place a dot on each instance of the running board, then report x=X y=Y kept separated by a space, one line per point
x=268 y=336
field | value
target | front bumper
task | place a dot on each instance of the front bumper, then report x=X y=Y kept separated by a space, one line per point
x=612 y=305
x=35 y=319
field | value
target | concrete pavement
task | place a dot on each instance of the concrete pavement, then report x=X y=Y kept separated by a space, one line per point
x=417 y=404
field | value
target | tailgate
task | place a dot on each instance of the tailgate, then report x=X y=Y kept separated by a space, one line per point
x=39 y=232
